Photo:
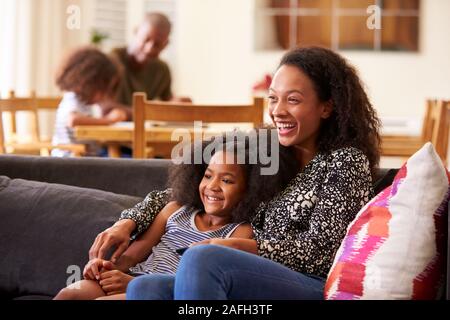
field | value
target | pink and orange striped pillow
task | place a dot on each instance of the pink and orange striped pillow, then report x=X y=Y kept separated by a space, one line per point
x=395 y=247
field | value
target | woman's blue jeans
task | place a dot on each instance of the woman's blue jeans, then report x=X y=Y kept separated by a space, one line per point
x=209 y=272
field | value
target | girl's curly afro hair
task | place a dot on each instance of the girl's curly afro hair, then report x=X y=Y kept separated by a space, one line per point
x=184 y=179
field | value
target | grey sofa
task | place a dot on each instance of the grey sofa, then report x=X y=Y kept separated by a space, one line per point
x=51 y=210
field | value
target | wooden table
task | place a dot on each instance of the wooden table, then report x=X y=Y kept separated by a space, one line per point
x=160 y=137
x=157 y=136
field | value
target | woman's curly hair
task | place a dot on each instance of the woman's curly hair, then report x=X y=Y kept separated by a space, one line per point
x=353 y=122
x=86 y=71
x=184 y=179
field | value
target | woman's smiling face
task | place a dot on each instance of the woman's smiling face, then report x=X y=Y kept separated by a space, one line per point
x=295 y=108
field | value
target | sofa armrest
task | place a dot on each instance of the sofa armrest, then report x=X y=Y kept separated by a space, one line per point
x=447 y=294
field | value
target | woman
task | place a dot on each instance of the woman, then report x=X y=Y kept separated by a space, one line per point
x=321 y=111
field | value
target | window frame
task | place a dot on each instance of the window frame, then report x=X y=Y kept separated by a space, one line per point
x=336 y=12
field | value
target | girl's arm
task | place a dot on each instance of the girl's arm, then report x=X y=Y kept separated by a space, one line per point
x=244 y=231
x=109 y=104
x=243 y=239
x=142 y=247
x=77 y=119
x=240 y=239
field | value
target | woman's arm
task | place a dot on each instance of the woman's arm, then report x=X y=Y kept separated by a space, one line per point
x=142 y=247
x=344 y=191
x=145 y=212
x=132 y=222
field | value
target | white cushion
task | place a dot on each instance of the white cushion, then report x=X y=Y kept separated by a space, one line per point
x=395 y=247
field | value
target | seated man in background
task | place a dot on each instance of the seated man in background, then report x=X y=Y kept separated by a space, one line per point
x=142 y=70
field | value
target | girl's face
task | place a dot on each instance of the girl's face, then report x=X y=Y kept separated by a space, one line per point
x=295 y=108
x=223 y=185
x=98 y=97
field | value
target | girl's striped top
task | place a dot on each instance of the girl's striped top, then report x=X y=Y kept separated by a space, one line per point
x=181 y=232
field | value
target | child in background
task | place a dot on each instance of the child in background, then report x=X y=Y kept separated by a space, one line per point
x=87 y=77
x=210 y=201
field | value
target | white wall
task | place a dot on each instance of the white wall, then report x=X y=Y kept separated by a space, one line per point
x=15 y=63
x=214 y=58
x=218 y=63
x=35 y=35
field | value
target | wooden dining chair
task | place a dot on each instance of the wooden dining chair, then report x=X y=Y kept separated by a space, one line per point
x=145 y=110
x=2 y=137
x=408 y=141
x=34 y=145
x=13 y=105
x=48 y=103
x=435 y=129
x=440 y=134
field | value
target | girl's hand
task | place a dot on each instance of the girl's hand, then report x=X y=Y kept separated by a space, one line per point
x=108 y=265
x=92 y=269
x=116 y=115
x=114 y=282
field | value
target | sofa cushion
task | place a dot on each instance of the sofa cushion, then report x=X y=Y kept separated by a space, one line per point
x=33 y=298
x=124 y=176
x=46 y=231
x=395 y=247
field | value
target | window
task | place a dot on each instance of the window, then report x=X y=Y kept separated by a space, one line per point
x=110 y=20
x=164 y=6
x=337 y=24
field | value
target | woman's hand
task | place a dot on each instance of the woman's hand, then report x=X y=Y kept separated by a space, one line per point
x=93 y=267
x=248 y=245
x=118 y=235
x=114 y=282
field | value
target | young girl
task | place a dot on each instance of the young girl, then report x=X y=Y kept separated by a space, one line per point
x=88 y=77
x=221 y=206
